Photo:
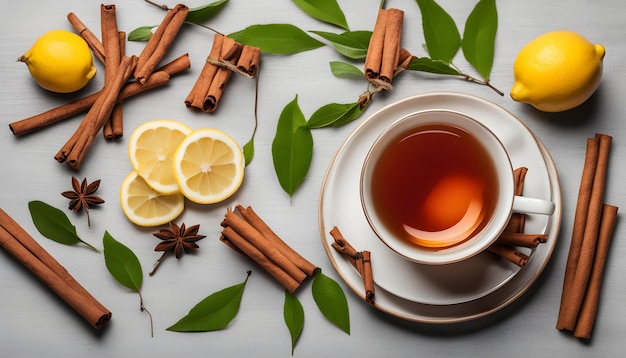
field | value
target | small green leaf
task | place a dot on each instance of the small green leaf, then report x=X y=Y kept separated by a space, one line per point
x=283 y=39
x=54 y=224
x=479 y=37
x=330 y=114
x=248 y=151
x=352 y=44
x=354 y=113
x=294 y=317
x=440 y=32
x=345 y=70
x=142 y=33
x=200 y=14
x=324 y=10
x=426 y=64
x=292 y=148
x=122 y=263
x=213 y=313
x=331 y=300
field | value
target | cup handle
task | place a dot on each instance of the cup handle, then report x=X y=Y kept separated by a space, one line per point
x=522 y=204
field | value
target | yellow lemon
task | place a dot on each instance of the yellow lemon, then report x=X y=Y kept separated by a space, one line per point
x=208 y=166
x=557 y=71
x=144 y=206
x=60 y=61
x=151 y=149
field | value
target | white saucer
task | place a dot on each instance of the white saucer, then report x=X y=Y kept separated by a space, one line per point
x=449 y=293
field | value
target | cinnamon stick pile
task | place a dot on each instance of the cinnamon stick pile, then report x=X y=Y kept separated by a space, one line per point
x=247 y=233
x=226 y=57
x=360 y=260
x=105 y=106
x=385 y=58
x=513 y=236
x=594 y=222
x=17 y=242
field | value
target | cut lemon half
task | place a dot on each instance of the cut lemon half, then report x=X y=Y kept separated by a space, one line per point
x=151 y=148
x=144 y=206
x=208 y=166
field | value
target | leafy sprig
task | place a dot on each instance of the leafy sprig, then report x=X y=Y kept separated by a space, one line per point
x=124 y=266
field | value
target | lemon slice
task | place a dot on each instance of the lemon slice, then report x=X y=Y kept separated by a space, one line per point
x=208 y=166
x=144 y=206
x=151 y=148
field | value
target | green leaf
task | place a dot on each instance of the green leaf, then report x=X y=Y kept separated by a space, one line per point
x=294 y=317
x=426 y=64
x=324 y=10
x=248 y=151
x=283 y=39
x=54 y=224
x=213 y=313
x=292 y=148
x=122 y=263
x=440 y=32
x=352 y=44
x=345 y=70
x=331 y=300
x=479 y=37
x=198 y=15
x=354 y=113
x=331 y=113
x=142 y=33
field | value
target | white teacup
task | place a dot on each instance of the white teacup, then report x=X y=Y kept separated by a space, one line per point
x=437 y=187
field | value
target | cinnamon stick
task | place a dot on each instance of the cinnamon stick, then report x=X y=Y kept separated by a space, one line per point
x=253 y=219
x=382 y=60
x=589 y=308
x=249 y=60
x=571 y=304
x=230 y=49
x=517 y=221
x=113 y=50
x=75 y=148
x=160 y=42
x=235 y=239
x=521 y=239
x=71 y=109
x=89 y=37
x=195 y=98
x=360 y=260
x=509 y=253
x=22 y=246
x=256 y=239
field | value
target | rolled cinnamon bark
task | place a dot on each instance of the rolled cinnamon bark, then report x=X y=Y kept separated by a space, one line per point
x=509 y=253
x=589 y=308
x=160 y=42
x=88 y=36
x=253 y=219
x=195 y=98
x=587 y=219
x=23 y=247
x=521 y=239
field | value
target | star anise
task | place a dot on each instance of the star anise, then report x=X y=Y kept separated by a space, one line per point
x=178 y=240
x=83 y=196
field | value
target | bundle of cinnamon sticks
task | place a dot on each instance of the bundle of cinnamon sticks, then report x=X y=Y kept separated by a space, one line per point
x=17 y=242
x=594 y=222
x=385 y=58
x=360 y=260
x=513 y=236
x=226 y=57
x=105 y=106
x=245 y=232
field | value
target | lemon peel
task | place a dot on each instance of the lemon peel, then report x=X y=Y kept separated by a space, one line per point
x=557 y=71
x=60 y=61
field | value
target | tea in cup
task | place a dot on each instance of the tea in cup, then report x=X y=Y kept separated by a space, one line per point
x=437 y=187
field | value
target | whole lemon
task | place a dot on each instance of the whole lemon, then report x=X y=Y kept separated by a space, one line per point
x=60 y=61
x=557 y=71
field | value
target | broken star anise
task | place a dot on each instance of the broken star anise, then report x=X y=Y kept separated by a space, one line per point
x=83 y=196
x=176 y=239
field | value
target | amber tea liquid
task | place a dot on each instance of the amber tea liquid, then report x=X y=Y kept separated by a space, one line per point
x=435 y=186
